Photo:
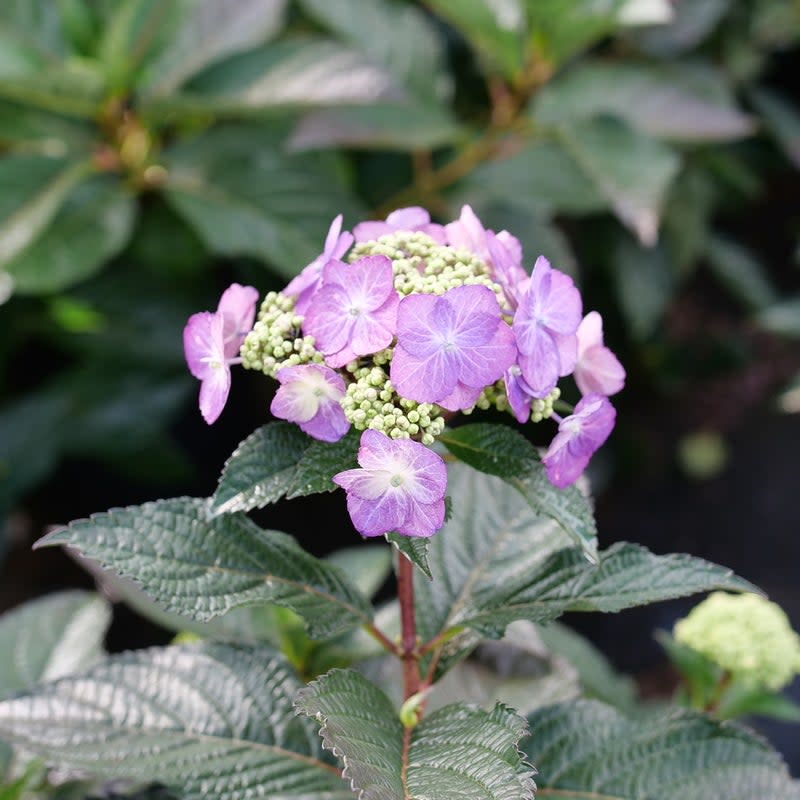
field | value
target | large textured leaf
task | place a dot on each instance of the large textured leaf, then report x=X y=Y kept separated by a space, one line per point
x=41 y=185
x=291 y=73
x=655 y=100
x=212 y=30
x=588 y=750
x=495 y=562
x=279 y=460
x=502 y=451
x=41 y=132
x=210 y=721
x=413 y=548
x=244 y=196
x=559 y=28
x=378 y=125
x=456 y=752
x=398 y=36
x=629 y=168
x=782 y=120
x=91 y=227
x=202 y=567
x=50 y=637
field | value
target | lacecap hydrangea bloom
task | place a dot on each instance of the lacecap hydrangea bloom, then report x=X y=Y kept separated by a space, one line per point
x=396 y=327
x=747 y=635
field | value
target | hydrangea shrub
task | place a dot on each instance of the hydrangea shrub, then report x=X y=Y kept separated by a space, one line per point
x=287 y=681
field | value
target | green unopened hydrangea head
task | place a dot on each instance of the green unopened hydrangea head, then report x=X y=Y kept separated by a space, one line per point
x=746 y=635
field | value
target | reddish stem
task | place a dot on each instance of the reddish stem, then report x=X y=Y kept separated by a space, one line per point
x=410 y=656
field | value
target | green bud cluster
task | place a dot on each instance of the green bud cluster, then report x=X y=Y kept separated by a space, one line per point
x=495 y=396
x=421 y=266
x=276 y=340
x=371 y=402
x=746 y=635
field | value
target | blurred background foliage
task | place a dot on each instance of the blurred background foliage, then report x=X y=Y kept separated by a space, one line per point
x=151 y=151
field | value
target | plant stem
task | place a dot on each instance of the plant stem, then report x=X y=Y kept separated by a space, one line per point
x=376 y=633
x=410 y=656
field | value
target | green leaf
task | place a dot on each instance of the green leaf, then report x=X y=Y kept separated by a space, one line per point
x=279 y=460
x=53 y=636
x=599 y=679
x=202 y=567
x=30 y=30
x=458 y=751
x=496 y=30
x=541 y=178
x=506 y=453
x=41 y=187
x=244 y=196
x=413 y=548
x=30 y=130
x=135 y=35
x=644 y=284
x=691 y=24
x=74 y=88
x=495 y=562
x=560 y=28
x=368 y=564
x=209 y=31
x=210 y=721
x=631 y=170
x=400 y=37
x=376 y=126
x=740 y=699
x=91 y=227
x=292 y=73
x=682 y=755
x=782 y=318
x=782 y=121
x=655 y=100
x=739 y=270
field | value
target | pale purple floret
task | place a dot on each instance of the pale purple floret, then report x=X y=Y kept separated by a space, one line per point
x=579 y=436
x=238 y=308
x=544 y=325
x=450 y=347
x=211 y=342
x=400 y=487
x=412 y=218
x=304 y=285
x=507 y=267
x=598 y=370
x=354 y=312
x=309 y=396
x=520 y=396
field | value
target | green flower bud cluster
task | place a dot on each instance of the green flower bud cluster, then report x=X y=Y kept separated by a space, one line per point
x=495 y=396
x=276 y=340
x=746 y=635
x=421 y=266
x=371 y=402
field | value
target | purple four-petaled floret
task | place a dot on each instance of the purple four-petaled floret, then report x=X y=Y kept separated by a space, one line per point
x=399 y=487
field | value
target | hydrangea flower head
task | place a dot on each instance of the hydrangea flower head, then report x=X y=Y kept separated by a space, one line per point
x=450 y=347
x=545 y=324
x=211 y=342
x=746 y=635
x=400 y=487
x=309 y=395
x=308 y=281
x=412 y=218
x=597 y=369
x=354 y=312
x=579 y=436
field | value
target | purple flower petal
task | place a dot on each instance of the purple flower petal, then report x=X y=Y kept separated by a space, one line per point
x=413 y=218
x=354 y=313
x=304 y=285
x=238 y=308
x=399 y=487
x=204 y=349
x=579 y=436
x=597 y=369
x=448 y=343
x=309 y=396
